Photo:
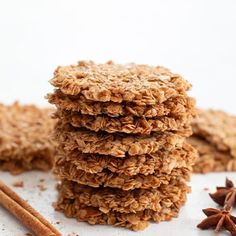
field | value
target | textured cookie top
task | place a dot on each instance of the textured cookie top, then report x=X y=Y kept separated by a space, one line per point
x=114 y=82
x=218 y=128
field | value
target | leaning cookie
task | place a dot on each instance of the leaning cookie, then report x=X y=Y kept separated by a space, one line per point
x=218 y=128
x=214 y=137
x=210 y=158
x=25 y=138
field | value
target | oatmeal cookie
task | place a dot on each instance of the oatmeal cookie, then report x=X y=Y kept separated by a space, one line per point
x=210 y=158
x=146 y=164
x=168 y=208
x=140 y=84
x=24 y=138
x=112 y=199
x=174 y=106
x=118 y=144
x=218 y=128
x=125 y=124
x=66 y=170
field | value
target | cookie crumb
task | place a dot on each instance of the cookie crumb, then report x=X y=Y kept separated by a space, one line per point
x=73 y=234
x=41 y=187
x=205 y=189
x=18 y=184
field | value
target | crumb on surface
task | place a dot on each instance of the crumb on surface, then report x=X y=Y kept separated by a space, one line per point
x=73 y=234
x=41 y=187
x=18 y=184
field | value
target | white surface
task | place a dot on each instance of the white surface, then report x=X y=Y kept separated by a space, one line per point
x=185 y=225
x=194 y=38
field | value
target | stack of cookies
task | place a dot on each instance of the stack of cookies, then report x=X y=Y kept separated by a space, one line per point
x=122 y=156
x=214 y=136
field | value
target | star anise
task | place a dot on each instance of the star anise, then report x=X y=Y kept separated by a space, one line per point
x=225 y=196
x=218 y=219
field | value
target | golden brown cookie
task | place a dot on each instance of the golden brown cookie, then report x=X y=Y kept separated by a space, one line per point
x=70 y=202
x=214 y=137
x=24 y=138
x=146 y=164
x=125 y=124
x=140 y=84
x=210 y=158
x=67 y=170
x=112 y=199
x=174 y=106
x=118 y=144
x=218 y=128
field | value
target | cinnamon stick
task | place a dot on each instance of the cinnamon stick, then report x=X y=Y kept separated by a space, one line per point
x=25 y=213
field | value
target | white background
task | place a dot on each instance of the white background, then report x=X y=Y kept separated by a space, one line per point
x=194 y=38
